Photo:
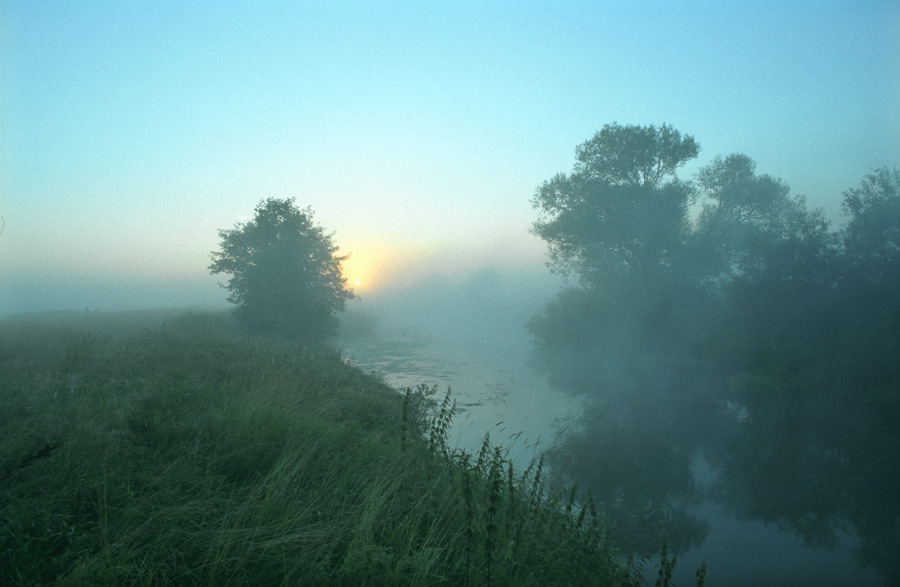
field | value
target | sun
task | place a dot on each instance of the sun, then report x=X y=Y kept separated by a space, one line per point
x=357 y=271
x=371 y=265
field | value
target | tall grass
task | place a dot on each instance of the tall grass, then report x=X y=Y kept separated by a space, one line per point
x=187 y=454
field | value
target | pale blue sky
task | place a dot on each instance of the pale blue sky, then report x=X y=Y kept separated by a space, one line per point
x=417 y=131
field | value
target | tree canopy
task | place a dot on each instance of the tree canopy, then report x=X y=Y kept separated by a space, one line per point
x=634 y=155
x=285 y=272
x=742 y=332
x=620 y=210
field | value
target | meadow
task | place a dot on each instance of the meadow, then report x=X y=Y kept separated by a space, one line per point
x=163 y=448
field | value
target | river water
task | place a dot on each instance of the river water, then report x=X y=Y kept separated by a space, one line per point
x=496 y=391
x=491 y=382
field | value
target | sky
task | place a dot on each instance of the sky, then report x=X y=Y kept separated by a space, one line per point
x=130 y=132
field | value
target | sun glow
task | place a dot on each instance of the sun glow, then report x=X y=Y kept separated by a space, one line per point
x=371 y=266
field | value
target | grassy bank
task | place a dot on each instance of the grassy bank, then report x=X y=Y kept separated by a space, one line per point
x=134 y=451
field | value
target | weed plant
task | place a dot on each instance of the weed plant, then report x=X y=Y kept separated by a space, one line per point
x=134 y=453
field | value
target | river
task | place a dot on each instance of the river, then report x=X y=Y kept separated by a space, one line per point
x=494 y=389
x=486 y=365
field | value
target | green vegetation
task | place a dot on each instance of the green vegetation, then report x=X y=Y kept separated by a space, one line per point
x=188 y=454
x=285 y=273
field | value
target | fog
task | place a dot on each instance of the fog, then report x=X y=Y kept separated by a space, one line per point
x=711 y=368
x=469 y=333
x=465 y=332
x=656 y=244
x=476 y=331
x=22 y=293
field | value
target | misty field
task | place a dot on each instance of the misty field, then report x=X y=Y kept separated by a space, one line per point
x=166 y=449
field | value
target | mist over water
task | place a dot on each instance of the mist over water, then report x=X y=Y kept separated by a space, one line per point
x=468 y=330
x=469 y=333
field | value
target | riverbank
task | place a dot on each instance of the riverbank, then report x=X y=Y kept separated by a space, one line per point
x=169 y=449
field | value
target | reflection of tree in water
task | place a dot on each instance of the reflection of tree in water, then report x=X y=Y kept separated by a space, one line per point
x=752 y=335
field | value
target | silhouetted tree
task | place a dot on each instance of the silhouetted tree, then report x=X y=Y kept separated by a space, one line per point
x=285 y=272
x=752 y=335
x=619 y=223
x=811 y=346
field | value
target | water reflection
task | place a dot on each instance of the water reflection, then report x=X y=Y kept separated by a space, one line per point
x=496 y=392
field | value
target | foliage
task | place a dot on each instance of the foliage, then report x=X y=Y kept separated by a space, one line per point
x=189 y=454
x=755 y=338
x=615 y=213
x=285 y=274
x=634 y=155
x=751 y=228
x=872 y=236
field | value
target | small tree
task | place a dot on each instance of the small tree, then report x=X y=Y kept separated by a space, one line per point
x=285 y=274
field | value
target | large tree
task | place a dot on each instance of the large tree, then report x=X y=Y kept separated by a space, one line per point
x=810 y=344
x=285 y=272
x=749 y=334
x=619 y=224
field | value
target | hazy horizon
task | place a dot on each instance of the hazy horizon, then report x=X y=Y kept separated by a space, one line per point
x=418 y=133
